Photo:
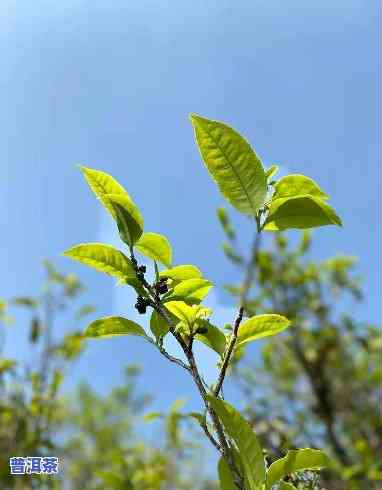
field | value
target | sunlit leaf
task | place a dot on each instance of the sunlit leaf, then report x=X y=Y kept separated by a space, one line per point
x=128 y=218
x=182 y=311
x=295 y=460
x=241 y=432
x=272 y=170
x=299 y=212
x=156 y=247
x=191 y=290
x=158 y=325
x=225 y=476
x=103 y=258
x=232 y=164
x=297 y=185
x=113 y=325
x=286 y=486
x=261 y=326
x=212 y=337
x=181 y=272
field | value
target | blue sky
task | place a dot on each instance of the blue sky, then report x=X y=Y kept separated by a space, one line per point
x=111 y=84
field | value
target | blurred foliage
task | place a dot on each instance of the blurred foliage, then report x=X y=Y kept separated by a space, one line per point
x=98 y=439
x=320 y=383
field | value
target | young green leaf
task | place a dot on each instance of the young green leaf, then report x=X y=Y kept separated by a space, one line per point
x=224 y=221
x=102 y=184
x=113 y=325
x=104 y=258
x=188 y=314
x=225 y=476
x=212 y=338
x=272 y=170
x=232 y=164
x=261 y=326
x=158 y=325
x=298 y=185
x=182 y=311
x=181 y=273
x=128 y=217
x=240 y=431
x=156 y=247
x=286 y=486
x=199 y=417
x=299 y=212
x=295 y=460
x=191 y=290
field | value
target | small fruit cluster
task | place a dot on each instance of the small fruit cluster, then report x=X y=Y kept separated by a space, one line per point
x=161 y=286
x=141 y=272
x=141 y=304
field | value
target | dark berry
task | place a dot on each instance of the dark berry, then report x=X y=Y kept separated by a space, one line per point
x=142 y=269
x=141 y=308
x=162 y=288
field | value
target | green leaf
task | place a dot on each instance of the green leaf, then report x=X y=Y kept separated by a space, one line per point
x=224 y=221
x=225 y=476
x=149 y=417
x=272 y=170
x=25 y=301
x=286 y=486
x=84 y=310
x=158 y=325
x=187 y=314
x=103 y=258
x=103 y=184
x=232 y=164
x=128 y=217
x=298 y=185
x=199 y=417
x=299 y=212
x=191 y=290
x=213 y=338
x=182 y=311
x=249 y=448
x=181 y=273
x=6 y=365
x=114 y=325
x=295 y=460
x=156 y=247
x=260 y=326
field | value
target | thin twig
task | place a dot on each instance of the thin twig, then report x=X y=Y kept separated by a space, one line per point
x=211 y=437
x=228 y=354
x=243 y=300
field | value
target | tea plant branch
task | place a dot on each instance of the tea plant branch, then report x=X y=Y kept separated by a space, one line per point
x=297 y=202
x=243 y=300
x=223 y=445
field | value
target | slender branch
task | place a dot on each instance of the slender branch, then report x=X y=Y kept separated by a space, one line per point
x=228 y=354
x=211 y=437
x=243 y=300
x=171 y=358
x=223 y=446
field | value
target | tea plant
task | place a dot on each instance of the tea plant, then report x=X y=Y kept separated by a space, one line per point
x=175 y=296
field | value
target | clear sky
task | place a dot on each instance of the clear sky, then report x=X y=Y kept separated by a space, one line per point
x=111 y=84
